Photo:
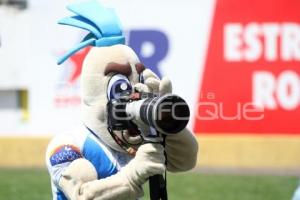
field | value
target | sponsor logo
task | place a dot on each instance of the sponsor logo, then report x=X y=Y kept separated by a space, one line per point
x=68 y=89
x=64 y=153
x=252 y=69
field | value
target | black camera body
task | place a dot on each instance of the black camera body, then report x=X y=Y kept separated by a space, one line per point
x=168 y=114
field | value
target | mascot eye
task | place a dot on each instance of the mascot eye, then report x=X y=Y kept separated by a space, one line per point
x=117 y=85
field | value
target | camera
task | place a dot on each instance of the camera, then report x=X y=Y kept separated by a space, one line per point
x=168 y=114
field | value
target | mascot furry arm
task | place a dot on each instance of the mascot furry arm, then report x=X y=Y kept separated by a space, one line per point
x=109 y=69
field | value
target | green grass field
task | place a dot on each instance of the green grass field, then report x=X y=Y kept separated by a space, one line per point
x=34 y=185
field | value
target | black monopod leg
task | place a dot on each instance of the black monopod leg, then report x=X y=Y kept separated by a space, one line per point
x=158 y=183
x=158 y=188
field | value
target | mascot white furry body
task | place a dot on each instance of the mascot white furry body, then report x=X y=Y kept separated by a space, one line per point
x=99 y=164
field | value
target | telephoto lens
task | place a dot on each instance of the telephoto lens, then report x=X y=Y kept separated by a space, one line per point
x=168 y=114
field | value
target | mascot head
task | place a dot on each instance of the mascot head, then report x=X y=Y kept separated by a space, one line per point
x=107 y=73
x=109 y=69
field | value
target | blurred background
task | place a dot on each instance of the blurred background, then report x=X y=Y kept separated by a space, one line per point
x=235 y=62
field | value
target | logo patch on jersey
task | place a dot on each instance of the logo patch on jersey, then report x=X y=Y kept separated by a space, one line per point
x=64 y=153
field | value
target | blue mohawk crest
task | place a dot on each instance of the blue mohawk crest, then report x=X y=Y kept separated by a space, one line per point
x=102 y=23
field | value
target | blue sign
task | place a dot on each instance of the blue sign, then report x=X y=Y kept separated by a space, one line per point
x=158 y=40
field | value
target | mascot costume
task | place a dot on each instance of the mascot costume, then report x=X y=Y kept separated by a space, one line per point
x=113 y=157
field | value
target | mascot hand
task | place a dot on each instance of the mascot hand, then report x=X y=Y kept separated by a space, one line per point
x=126 y=184
x=149 y=160
x=153 y=84
x=179 y=159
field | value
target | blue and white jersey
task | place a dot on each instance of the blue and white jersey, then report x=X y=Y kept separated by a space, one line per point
x=64 y=149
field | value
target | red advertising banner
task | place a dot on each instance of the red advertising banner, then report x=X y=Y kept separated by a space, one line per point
x=251 y=81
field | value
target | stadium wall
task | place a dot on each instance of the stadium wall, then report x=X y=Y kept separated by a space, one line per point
x=240 y=153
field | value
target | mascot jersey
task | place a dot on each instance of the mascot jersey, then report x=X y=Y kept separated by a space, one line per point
x=63 y=149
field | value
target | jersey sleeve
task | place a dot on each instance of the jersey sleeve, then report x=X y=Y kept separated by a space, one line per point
x=61 y=151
